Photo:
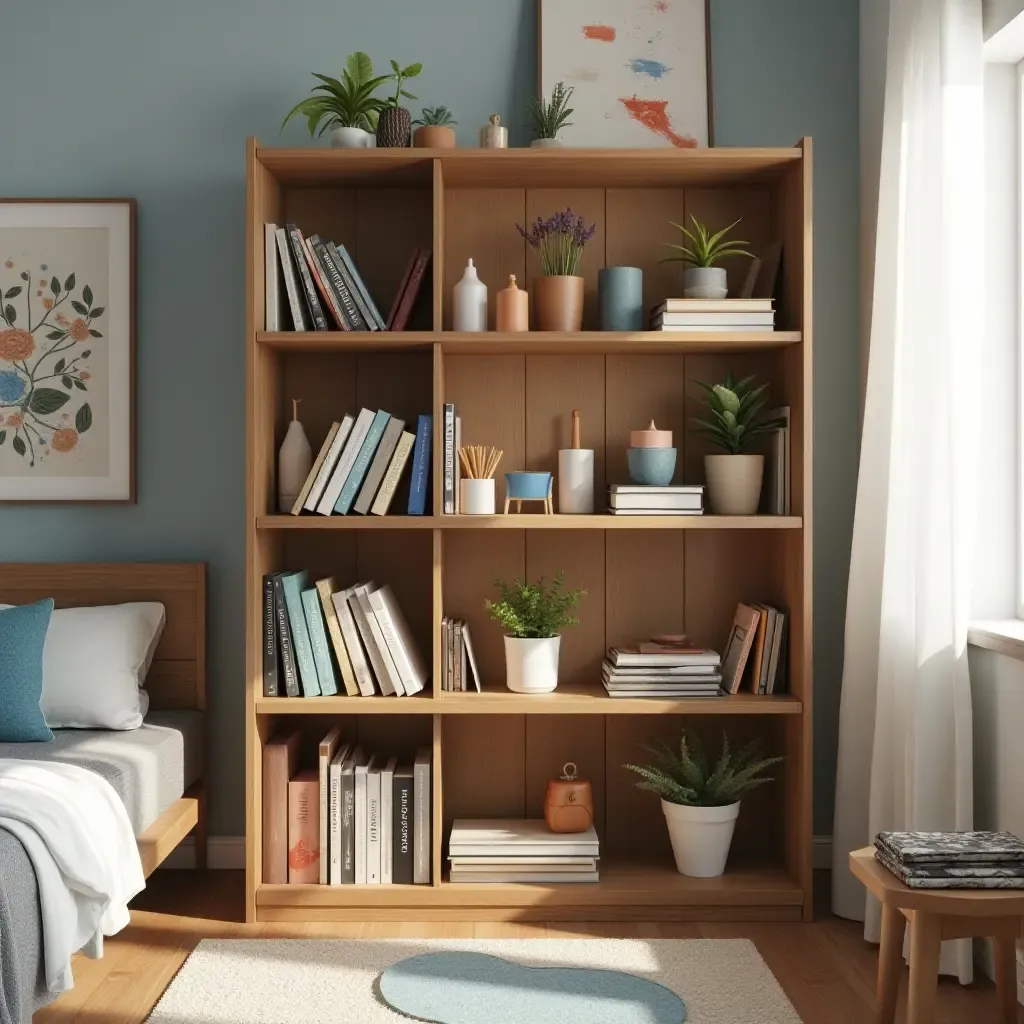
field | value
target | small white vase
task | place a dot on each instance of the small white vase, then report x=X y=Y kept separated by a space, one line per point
x=734 y=483
x=294 y=461
x=700 y=837
x=547 y=144
x=705 y=283
x=351 y=138
x=476 y=496
x=531 y=665
x=469 y=302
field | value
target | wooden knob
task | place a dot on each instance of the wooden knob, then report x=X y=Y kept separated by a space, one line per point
x=575 y=440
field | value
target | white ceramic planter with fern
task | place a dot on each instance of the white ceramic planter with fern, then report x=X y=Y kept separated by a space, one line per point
x=700 y=837
x=531 y=663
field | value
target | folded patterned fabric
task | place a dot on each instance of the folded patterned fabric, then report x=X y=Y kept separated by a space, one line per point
x=981 y=848
x=1005 y=876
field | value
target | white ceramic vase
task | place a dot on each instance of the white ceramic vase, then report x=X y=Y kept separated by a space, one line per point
x=531 y=665
x=352 y=138
x=469 y=302
x=476 y=497
x=734 y=483
x=547 y=144
x=705 y=283
x=294 y=461
x=701 y=837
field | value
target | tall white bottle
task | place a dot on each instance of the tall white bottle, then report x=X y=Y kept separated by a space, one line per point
x=469 y=310
x=294 y=461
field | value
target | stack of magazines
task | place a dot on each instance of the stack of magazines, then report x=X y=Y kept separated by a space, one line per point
x=953 y=860
x=664 y=666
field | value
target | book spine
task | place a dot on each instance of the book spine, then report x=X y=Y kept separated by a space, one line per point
x=291 y=282
x=270 y=657
x=359 y=290
x=347 y=459
x=300 y=637
x=387 y=791
x=326 y=470
x=360 y=827
x=272 y=278
x=278 y=758
x=334 y=841
x=348 y=836
x=373 y=826
x=402 y=831
x=375 y=474
x=347 y=494
x=396 y=467
x=403 y=284
x=383 y=667
x=284 y=637
x=348 y=678
x=350 y=632
x=420 y=467
x=318 y=643
x=449 y=459
x=340 y=287
x=312 y=302
x=303 y=830
x=330 y=304
x=421 y=829
x=405 y=307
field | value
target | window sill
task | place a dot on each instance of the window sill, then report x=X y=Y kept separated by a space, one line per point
x=1005 y=636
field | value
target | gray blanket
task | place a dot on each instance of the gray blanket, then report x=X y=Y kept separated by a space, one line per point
x=22 y=984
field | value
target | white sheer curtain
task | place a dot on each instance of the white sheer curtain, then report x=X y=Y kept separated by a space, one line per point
x=905 y=758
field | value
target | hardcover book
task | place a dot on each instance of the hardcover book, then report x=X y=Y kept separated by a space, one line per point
x=420 y=484
x=396 y=467
x=316 y=312
x=388 y=679
x=330 y=462
x=347 y=494
x=387 y=787
x=325 y=590
x=381 y=459
x=360 y=820
x=294 y=584
x=339 y=287
x=318 y=642
x=412 y=290
x=303 y=496
x=348 y=815
x=273 y=310
x=353 y=643
x=408 y=661
x=402 y=830
x=280 y=756
x=359 y=290
x=345 y=462
x=738 y=645
x=270 y=655
x=327 y=750
x=422 y=797
x=403 y=284
x=289 y=669
x=330 y=304
x=373 y=821
x=337 y=800
x=292 y=286
x=304 y=829
x=449 y=459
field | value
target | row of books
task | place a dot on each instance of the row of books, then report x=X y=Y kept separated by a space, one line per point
x=318 y=640
x=458 y=660
x=666 y=666
x=645 y=500
x=355 y=819
x=361 y=462
x=757 y=641
x=520 y=850
x=313 y=284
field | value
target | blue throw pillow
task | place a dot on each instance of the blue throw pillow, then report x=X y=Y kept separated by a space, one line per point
x=22 y=635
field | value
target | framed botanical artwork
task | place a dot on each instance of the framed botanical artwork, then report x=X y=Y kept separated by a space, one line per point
x=67 y=342
x=640 y=70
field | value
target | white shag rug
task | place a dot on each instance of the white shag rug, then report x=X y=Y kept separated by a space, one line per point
x=333 y=981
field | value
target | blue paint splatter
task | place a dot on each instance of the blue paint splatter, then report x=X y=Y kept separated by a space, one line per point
x=643 y=66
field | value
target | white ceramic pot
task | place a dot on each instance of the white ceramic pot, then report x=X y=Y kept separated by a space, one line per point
x=476 y=497
x=547 y=144
x=352 y=138
x=701 y=837
x=705 y=283
x=734 y=483
x=531 y=665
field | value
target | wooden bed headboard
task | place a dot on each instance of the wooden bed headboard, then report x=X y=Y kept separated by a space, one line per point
x=177 y=677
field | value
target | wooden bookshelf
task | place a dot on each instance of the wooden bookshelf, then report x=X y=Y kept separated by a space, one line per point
x=494 y=751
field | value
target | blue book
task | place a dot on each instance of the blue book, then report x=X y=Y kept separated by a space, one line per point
x=355 y=478
x=367 y=306
x=294 y=583
x=318 y=641
x=419 y=484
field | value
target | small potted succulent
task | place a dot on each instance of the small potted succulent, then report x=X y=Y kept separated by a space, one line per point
x=347 y=106
x=394 y=123
x=533 y=615
x=551 y=116
x=435 y=129
x=558 y=295
x=701 y=800
x=703 y=251
x=734 y=420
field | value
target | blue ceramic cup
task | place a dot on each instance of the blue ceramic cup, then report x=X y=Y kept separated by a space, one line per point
x=620 y=298
x=652 y=467
x=527 y=485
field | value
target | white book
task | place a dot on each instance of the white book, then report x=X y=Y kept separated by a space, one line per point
x=463 y=681
x=328 y=748
x=666 y=692
x=388 y=679
x=421 y=834
x=470 y=657
x=296 y=303
x=346 y=461
x=711 y=318
x=774 y=666
x=657 y=502
x=387 y=853
x=323 y=474
x=273 y=319
x=300 y=499
x=373 y=821
x=408 y=661
x=393 y=475
x=334 y=824
x=655 y=512
x=736 y=328
x=778 y=492
x=749 y=305
x=490 y=863
x=512 y=877
x=620 y=656
x=378 y=467
x=613 y=682
x=458 y=464
x=521 y=837
x=652 y=489
x=360 y=822
x=353 y=645
x=673 y=671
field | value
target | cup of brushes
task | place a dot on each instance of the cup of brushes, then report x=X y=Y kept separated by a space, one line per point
x=575 y=474
x=476 y=488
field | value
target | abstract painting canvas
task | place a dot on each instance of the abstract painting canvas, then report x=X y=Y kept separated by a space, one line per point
x=638 y=68
x=66 y=350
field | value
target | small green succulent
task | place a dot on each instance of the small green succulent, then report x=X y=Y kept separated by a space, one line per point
x=735 y=407
x=436 y=117
x=704 y=249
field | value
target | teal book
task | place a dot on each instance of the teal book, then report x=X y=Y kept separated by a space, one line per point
x=362 y=463
x=294 y=584
x=318 y=641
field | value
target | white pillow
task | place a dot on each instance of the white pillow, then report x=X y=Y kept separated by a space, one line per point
x=94 y=662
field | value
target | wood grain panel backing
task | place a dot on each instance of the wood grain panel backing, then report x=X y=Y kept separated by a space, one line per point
x=585 y=202
x=480 y=224
x=400 y=383
x=265 y=426
x=330 y=213
x=264 y=205
x=644 y=584
x=326 y=383
x=400 y=735
x=439 y=250
x=330 y=554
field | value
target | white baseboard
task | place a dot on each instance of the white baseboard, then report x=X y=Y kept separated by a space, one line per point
x=821 y=853
x=222 y=852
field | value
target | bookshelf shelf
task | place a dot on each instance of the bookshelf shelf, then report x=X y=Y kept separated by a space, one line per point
x=493 y=752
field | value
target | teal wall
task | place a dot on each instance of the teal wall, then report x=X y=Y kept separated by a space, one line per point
x=154 y=100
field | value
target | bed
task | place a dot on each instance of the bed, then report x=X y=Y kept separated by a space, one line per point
x=157 y=770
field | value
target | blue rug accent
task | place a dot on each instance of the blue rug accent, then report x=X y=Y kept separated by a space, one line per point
x=474 y=988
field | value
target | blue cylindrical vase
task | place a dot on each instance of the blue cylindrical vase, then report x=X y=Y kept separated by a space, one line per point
x=620 y=293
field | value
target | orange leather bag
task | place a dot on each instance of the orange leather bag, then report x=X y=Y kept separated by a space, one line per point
x=569 y=802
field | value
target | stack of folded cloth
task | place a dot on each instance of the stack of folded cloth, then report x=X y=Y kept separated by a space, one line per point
x=953 y=860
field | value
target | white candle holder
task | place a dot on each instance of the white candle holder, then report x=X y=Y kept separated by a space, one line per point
x=476 y=497
x=576 y=481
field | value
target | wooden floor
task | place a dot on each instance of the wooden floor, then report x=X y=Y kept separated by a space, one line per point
x=826 y=968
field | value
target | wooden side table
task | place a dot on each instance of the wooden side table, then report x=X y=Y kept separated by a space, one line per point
x=934 y=915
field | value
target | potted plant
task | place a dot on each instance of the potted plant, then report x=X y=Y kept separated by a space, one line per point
x=702 y=250
x=533 y=614
x=558 y=295
x=550 y=117
x=394 y=123
x=435 y=129
x=701 y=801
x=734 y=479
x=347 y=107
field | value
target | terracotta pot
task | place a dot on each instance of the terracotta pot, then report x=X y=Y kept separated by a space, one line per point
x=393 y=127
x=558 y=303
x=433 y=136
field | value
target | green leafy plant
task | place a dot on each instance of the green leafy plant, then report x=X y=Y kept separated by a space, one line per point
x=398 y=77
x=436 y=117
x=734 y=407
x=534 y=610
x=345 y=103
x=550 y=117
x=704 y=249
x=690 y=778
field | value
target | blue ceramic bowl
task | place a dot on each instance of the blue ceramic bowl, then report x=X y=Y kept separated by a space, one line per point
x=652 y=467
x=527 y=485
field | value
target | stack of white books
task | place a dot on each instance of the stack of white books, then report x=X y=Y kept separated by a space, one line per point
x=713 y=315
x=669 y=667
x=520 y=850
x=643 y=500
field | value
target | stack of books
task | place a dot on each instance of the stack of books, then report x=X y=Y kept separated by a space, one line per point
x=357 y=818
x=641 y=500
x=313 y=284
x=953 y=860
x=458 y=662
x=319 y=640
x=520 y=850
x=712 y=315
x=361 y=463
x=755 y=652
x=662 y=667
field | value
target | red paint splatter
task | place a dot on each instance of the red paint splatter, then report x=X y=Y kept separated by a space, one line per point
x=653 y=116
x=603 y=33
x=661 y=6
